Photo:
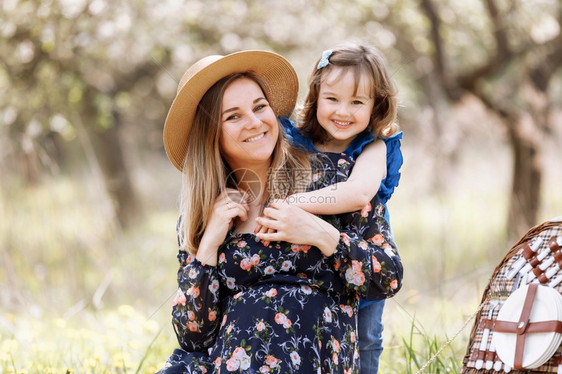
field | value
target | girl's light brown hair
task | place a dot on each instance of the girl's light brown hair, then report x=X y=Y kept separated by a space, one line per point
x=366 y=62
x=205 y=171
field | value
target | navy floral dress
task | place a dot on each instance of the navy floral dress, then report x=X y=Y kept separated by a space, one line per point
x=284 y=308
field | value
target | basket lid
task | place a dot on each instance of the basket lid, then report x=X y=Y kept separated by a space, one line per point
x=538 y=347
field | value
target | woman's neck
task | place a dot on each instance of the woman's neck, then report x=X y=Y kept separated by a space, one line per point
x=252 y=182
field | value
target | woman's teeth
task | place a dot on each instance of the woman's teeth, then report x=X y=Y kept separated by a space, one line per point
x=255 y=138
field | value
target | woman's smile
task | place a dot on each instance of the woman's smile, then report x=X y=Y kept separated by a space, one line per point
x=249 y=129
x=255 y=138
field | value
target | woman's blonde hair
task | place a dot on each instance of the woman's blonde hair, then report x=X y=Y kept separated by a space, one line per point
x=205 y=171
x=364 y=61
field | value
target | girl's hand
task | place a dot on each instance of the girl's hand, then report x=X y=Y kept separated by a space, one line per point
x=228 y=206
x=263 y=230
x=294 y=225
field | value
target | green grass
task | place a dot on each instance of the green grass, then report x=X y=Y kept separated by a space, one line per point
x=76 y=294
x=120 y=340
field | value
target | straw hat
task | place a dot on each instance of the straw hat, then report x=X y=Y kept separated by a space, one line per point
x=280 y=87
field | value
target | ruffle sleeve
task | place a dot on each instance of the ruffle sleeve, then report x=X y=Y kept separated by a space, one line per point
x=394 y=161
x=196 y=313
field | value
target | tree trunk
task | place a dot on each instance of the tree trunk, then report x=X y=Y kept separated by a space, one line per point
x=30 y=163
x=444 y=145
x=118 y=183
x=526 y=135
x=527 y=177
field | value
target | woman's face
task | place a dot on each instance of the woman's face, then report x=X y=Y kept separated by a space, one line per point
x=249 y=128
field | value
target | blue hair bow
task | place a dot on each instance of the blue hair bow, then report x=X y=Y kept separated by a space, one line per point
x=324 y=61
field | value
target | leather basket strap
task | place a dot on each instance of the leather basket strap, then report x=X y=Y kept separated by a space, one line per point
x=524 y=326
x=532 y=328
x=520 y=327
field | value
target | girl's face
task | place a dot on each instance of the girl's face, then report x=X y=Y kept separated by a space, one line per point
x=342 y=112
x=249 y=128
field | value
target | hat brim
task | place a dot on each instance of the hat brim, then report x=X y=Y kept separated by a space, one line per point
x=280 y=87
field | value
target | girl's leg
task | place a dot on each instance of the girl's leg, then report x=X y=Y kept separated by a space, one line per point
x=370 y=336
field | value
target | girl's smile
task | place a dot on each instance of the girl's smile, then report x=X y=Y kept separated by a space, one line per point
x=344 y=108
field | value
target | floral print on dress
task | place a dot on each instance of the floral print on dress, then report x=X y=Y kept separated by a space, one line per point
x=284 y=308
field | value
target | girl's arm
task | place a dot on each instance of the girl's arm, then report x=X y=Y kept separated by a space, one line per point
x=362 y=251
x=289 y=223
x=353 y=194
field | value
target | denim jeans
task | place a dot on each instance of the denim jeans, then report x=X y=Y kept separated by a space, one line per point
x=370 y=336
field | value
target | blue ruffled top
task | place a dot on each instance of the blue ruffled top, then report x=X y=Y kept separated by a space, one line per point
x=394 y=157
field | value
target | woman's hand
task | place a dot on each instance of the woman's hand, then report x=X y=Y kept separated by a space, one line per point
x=294 y=225
x=228 y=206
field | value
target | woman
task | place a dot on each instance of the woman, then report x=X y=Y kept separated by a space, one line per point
x=242 y=305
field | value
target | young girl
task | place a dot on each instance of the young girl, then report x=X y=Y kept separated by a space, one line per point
x=351 y=108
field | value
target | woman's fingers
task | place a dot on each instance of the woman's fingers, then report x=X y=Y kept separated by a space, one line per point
x=226 y=210
x=235 y=199
x=241 y=212
x=231 y=210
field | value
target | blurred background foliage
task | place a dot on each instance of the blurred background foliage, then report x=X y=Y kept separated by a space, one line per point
x=88 y=198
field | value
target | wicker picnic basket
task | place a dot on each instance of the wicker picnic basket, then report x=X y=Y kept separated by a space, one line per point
x=534 y=262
